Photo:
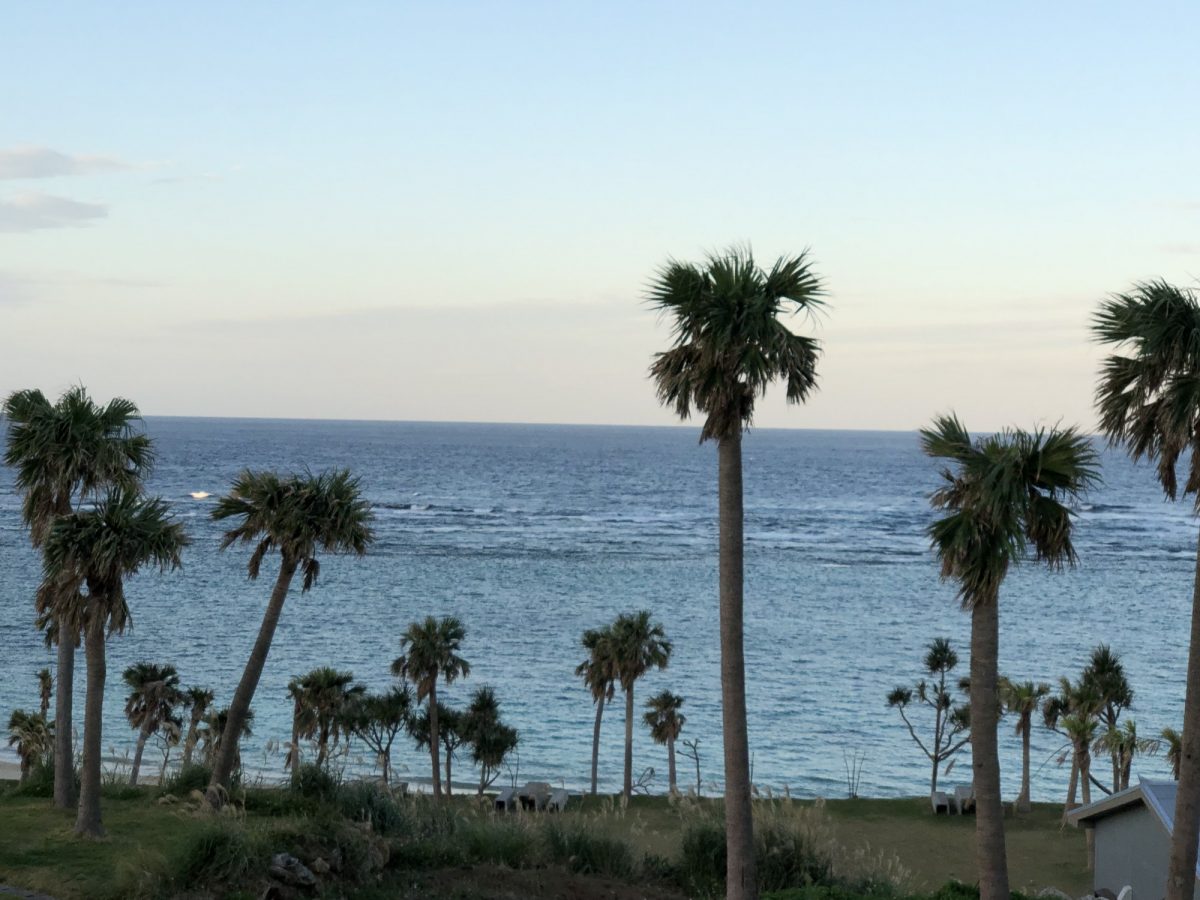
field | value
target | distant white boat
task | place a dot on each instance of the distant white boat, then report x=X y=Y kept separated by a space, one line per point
x=200 y=495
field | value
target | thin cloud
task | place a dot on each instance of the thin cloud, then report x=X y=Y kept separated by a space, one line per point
x=33 y=211
x=43 y=162
x=1190 y=249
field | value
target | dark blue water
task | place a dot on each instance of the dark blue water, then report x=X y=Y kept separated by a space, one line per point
x=531 y=534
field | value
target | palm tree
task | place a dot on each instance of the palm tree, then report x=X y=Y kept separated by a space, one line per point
x=1148 y=402
x=665 y=722
x=729 y=345
x=198 y=700
x=45 y=691
x=65 y=453
x=638 y=646
x=1023 y=699
x=599 y=675
x=1004 y=493
x=490 y=739
x=1174 y=741
x=429 y=653
x=33 y=738
x=1081 y=702
x=449 y=733
x=1124 y=743
x=214 y=733
x=322 y=702
x=1106 y=674
x=376 y=719
x=99 y=548
x=153 y=695
x=296 y=515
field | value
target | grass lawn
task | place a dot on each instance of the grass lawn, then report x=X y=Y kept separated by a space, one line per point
x=39 y=852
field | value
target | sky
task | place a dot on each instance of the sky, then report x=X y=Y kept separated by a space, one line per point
x=450 y=211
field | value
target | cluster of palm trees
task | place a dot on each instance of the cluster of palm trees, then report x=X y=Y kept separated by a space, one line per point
x=618 y=654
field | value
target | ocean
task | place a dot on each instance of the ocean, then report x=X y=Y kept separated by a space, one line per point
x=531 y=534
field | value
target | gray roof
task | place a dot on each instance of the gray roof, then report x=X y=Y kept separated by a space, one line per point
x=1157 y=796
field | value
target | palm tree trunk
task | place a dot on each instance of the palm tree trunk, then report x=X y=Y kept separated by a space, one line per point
x=433 y=743
x=991 y=859
x=1085 y=779
x=64 y=753
x=143 y=736
x=741 y=882
x=189 y=744
x=1181 y=877
x=294 y=757
x=933 y=778
x=26 y=767
x=671 y=766
x=239 y=707
x=449 y=757
x=627 y=791
x=87 y=821
x=1072 y=786
x=596 y=742
x=1023 y=804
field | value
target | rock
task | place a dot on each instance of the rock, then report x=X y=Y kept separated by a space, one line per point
x=291 y=871
x=1054 y=894
x=167 y=800
x=320 y=867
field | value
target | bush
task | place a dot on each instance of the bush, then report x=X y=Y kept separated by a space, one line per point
x=702 y=857
x=582 y=851
x=193 y=777
x=40 y=782
x=314 y=782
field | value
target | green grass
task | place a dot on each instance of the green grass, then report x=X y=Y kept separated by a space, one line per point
x=150 y=846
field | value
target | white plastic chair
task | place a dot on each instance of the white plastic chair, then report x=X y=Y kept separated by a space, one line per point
x=940 y=802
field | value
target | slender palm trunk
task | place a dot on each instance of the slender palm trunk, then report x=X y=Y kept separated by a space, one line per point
x=990 y=856
x=322 y=746
x=64 y=753
x=385 y=764
x=294 y=756
x=741 y=882
x=596 y=742
x=1181 y=878
x=143 y=736
x=87 y=821
x=1085 y=779
x=671 y=766
x=933 y=778
x=239 y=707
x=433 y=743
x=1023 y=804
x=189 y=744
x=26 y=767
x=628 y=788
x=1072 y=786
x=449 y=758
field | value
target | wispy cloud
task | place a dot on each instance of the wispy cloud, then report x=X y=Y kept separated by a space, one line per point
x=1189 y=249
x=43 y=162
x=32 y=211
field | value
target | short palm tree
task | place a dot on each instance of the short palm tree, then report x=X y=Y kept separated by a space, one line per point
x=322 y=701
x=729 y=344
x=198 y=701
x=1024 y=700
x=1002 y=496
x=638 y=647
x=99 y=548
x=376 y=719
x=429 y=652
x=1077 y=700
x=665 y=722
x=490 y=739
x=154 y=693
x=1174 y=743
x=449 y=734
x=296 y=515
x=32 y=737
x=1148 y=402
x=1106 y=674
x=45 y=691
x=214 y=731
x=1124 y=743
x=599 y=676
x=65 y=453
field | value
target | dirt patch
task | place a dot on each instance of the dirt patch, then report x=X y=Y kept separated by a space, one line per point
x=495 y=883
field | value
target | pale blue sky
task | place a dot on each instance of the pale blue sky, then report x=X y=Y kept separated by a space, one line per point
x=448 y=211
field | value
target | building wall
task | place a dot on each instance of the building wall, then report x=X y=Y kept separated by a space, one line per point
x=1133 y=847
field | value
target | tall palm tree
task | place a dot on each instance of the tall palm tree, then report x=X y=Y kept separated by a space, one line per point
x=729 y=344
x=1149 y=402
x=638 y=647
x=198 y=701
x=599 y=676
x=33 y=738
x=1174 y=741
x=1023 y=699
x=99 y=548
x=45 y=691
x=1003 y=496
x=296 y=515
x=65 y=453
x=665 y=722
x=153 y=695
x=322 y=702
x=429 y=653
x=449 y=732
x=1106 y=674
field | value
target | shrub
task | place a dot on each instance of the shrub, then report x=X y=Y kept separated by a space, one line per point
x=314 y=782
x=583 y=851
x=193 y=777
x=702 y=857
x=40 y=782
x=361 y=801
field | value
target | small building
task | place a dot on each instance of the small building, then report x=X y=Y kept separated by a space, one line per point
x=1133 y=838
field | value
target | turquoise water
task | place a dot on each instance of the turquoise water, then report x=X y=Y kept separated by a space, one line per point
x=531 y=534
